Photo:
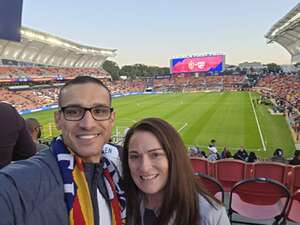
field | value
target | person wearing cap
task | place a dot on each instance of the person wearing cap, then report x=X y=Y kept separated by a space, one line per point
x=34 y=128
x=278 y=156
x=15 y=141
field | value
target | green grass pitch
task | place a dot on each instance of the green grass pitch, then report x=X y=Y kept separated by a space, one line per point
x=228 y=117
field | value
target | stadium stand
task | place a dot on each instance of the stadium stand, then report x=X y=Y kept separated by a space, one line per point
x=286 y=32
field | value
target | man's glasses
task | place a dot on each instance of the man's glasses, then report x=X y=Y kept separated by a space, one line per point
x=76 y=113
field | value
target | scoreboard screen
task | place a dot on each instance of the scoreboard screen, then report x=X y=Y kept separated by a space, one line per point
x=213 y=63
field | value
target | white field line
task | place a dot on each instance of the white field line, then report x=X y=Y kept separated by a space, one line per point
x=181 y=128
x=258 y=125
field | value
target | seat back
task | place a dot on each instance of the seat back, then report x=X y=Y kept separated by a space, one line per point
x=201 y=165
x=211 y=185
x=228 y=172
x=273 y=170
x=295 y=180
x=293 y=212
x=259 y=199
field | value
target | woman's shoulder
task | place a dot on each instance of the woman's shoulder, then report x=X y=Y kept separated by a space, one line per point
x=212 y=213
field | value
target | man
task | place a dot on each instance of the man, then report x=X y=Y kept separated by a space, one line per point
x=15 y=141
x=278 y=156
x=212 y=153
x=34 y=128
x=241 y=154
x=71 y=183
x=296 y=159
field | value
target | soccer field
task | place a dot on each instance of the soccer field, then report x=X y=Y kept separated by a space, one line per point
x=228 y=117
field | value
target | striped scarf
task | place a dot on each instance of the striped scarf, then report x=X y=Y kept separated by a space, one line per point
x=76 y=190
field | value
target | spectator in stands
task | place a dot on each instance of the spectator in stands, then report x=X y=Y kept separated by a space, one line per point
x=225 y=153
x=156 y=189
x=212 y=153
x=251 y=157
x=15 y=141
x=195 y=151
x=70 y=181
x=278 y=156
x=241 y=154
x=228 y=155
x=296 y=159
x=34 y=128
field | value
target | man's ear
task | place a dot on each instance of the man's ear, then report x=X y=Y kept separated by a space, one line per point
x=112 y=118
x=57 y=119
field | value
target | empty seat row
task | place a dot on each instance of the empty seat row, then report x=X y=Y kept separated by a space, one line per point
x=229 y=171
x=256 y=198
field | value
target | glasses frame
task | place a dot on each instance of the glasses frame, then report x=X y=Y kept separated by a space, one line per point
x=63 y=108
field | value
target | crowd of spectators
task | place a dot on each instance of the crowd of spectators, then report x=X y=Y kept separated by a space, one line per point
x=283 y=92
x=16 y=72
x=241 y=154
x=201 y=83
x=29 y=99
x=38 y=97
x=286 y=87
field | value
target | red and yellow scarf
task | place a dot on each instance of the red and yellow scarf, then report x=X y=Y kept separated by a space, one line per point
x=76 y=190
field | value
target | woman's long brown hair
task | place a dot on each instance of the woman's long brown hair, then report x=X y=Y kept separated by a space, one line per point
x=180 y=202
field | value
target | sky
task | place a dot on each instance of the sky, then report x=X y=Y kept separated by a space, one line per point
x=152 y=32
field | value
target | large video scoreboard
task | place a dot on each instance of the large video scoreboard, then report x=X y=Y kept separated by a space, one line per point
x=210 y=63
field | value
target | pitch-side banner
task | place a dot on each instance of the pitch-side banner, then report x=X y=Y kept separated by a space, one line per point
x=10 y=19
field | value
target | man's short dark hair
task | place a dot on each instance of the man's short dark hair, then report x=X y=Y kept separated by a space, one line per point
x=82 y=80
x=32 y=124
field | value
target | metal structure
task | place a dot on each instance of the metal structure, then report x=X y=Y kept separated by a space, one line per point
x=286 y=32
x=42 y=48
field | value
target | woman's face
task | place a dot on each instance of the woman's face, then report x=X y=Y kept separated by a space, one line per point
x=148 y=163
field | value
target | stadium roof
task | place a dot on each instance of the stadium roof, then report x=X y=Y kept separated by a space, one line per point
x=46 y=49
x=286 y=32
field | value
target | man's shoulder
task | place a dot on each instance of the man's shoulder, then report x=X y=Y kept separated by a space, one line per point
x=30 y=171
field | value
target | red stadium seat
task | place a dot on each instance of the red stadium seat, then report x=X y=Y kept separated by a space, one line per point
x=293 y=178
x=228 y=172
x=259 y=199
x=201 y=165
x=211 y=185
x=293 y=212
x=273 y=170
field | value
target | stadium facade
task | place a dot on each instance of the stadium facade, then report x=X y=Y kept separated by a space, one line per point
x=46 y=49
x=286 y=32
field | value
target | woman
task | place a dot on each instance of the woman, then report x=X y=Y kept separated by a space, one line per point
x=159 y=182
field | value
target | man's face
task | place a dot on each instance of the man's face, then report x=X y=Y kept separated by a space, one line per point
x=87 y=136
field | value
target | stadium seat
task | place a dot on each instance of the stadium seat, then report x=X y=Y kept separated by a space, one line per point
x=201 y=165
x=273 y=170
x=293 y=212
x=228 y=172
x=293 y=178
x=258 y=199
x=211 y=185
